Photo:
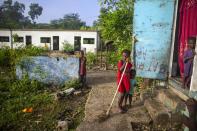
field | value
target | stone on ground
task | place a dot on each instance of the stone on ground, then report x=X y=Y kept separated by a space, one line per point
x=62 y=126
x=139 y=115
x=158 y=112
x=77 y=92
x=69 y=91
x=170 y=99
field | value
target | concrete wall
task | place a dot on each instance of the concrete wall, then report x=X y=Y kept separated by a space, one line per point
x=153 y=20
x=49 y=70
x=63 y=36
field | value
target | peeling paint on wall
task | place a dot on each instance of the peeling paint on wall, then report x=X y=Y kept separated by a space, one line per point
x=49 y=70
x=153 y=21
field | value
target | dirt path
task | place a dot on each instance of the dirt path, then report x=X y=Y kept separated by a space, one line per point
x=100 y=78
x=103 y=87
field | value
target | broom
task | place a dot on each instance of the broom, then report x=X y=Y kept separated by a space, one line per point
x=105 y=116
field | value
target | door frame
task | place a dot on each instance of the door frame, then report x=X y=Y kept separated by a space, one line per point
x=173 y=38
x=27 y=37
x=58 y=46
x=79 y=38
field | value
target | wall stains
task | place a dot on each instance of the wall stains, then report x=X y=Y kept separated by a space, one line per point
x=153 y=21
x=161 y=24
x=49 y=70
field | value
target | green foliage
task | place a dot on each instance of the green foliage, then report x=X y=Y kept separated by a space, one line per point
x=139 y=82
x=15 y=95
x=15 y=37
x=91 y=59
x=10 y=57
x=67 y=46
x=114 y=56
x=115 y=23
x=69 y=21
x=115 y=20
x=75 y=83
x=11 y=14
x=35 y=11
x=21 y=94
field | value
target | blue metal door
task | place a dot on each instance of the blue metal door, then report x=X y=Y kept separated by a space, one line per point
x=153 y=20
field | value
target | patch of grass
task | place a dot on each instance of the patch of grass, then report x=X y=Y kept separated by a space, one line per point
x=67 y=47
x=74 y=83
x=46 y=110
x=91 y=59
x=16 y=95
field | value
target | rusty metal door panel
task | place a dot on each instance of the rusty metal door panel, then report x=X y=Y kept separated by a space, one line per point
x=153 y=21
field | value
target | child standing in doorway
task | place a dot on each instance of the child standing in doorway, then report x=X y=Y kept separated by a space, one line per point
x=82 y=69
x=133 y=84
x=188 y=61
x=125 y=83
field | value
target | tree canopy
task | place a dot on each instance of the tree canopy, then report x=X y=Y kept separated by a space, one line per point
x=69 y=21
x=115 y=24
x=115 y=20
x=35 y=11
x=12 y=14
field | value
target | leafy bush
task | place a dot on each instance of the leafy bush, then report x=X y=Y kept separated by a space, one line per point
x=19 y=95
x=67 y=46
x=139 y=83
x=75 y=83
x=91 y=59
x=10 y=57
x=113 y=57
x=15 y=95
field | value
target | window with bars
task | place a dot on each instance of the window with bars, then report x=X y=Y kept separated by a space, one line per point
x=88 y=40
x=19 y=39
x=4 y=39
x=45 y=40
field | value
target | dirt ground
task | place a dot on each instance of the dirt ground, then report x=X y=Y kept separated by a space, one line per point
x=103 y=88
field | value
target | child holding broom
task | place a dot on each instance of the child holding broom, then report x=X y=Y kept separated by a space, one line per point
x=124 y=86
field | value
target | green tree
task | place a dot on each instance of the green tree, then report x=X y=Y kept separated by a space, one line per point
x=35 y=11
x=115 y=20
x=11 y=14
x=69 y=21
x=115 y=24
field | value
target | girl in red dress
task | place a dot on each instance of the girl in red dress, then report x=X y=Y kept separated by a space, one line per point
x=125 y=83
x=82 y=69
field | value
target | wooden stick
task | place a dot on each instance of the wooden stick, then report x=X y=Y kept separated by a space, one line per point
x=107 y=113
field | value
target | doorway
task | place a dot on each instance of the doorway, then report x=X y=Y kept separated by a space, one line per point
x=28 y=40
x=185 y=29
x=55 y=42
x=77 y=43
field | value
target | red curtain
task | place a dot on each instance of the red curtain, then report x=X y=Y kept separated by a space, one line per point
x=187 y=27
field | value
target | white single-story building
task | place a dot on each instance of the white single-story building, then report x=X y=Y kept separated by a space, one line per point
x=53 y=39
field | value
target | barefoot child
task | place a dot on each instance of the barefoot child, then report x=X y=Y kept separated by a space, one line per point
x=125 y=83
x=82 y=69
x=188 y=61
x=133 y=85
